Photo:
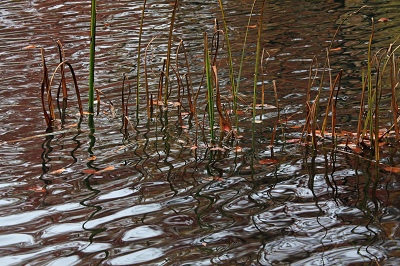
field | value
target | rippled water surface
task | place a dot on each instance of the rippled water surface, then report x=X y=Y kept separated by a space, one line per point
x=146 y=197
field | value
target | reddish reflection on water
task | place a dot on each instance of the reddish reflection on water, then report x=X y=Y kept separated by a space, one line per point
x=152 y=201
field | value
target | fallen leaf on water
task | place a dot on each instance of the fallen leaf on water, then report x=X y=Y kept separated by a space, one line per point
x=268 y=161
x=344 y=133
x=29 y=47
x=392 y=169
x=108 y=168
x=175 y=104
x=89 y=171
x=37 y=189
x=383 y=20
x=296 y=127
x=157 y=102
x=292 y=141
x=91 y=158
x=355 y=149
x=217 y=148
x=59 y=171
x=227 y=128
x=336 y=49
x=238 y=149
x=71 y=126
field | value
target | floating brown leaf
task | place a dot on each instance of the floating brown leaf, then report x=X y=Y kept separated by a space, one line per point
x=58 y=171
x=108 y=168
x=391 y=169
x=292 y=141
x=157 y=102
x=268 y=161
x=296 y=126
x=238 y=149
x=29 y=47
x=91 y=158
x=383 y=20
x=37 y=188
x=217 y=148
x=89 y=171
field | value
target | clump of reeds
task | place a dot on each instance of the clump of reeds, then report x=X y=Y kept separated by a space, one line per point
x=378 y=79
x=46 y=85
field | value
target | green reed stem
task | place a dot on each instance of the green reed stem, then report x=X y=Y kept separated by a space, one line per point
x=256 y=70
x=257 y=64
x=230 y=59
x=371 y=92
x=241 y=62
x=92 y=56
x=210 y=89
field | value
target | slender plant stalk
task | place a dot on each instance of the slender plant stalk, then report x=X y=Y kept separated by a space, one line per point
x=73 y=78
x=360 y=132
x=138 y=62
x=334 y=104
x=278 y=119
x=370 y=100
x=46 y=88
x=92 y=56
x=230 y=59
x=257 y=64
x=63 y=81
x=256 y=71
x=393 y=86
x=149 y=100
x=330 y=101
x=171 y=28
x=210 y=88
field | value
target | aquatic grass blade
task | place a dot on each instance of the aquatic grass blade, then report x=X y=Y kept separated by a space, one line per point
x=92 y=55
x=210 y=88
x=45 y=88
x=138 y=62
x=256 y=71
x=171 y=29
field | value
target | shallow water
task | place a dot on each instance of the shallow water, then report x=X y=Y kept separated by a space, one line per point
x=153 y=200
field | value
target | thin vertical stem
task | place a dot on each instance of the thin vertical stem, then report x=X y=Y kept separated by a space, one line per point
x=138 y=59
x=171 y=28
x=92 y=56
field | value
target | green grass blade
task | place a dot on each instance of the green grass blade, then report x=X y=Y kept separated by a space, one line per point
x=92 y=56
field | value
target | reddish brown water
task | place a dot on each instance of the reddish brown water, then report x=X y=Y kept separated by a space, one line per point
x=159 y=204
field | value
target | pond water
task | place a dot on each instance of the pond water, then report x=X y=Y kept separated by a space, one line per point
x=147 y=197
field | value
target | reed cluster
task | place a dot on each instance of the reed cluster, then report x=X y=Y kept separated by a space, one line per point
x=216 y=123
